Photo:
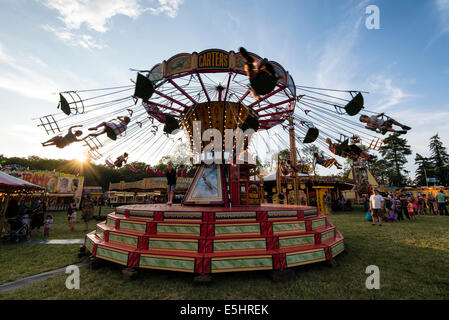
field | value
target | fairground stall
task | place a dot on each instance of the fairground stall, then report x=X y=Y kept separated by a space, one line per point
x=61 y=188
x=152 y=189
x=12 y=187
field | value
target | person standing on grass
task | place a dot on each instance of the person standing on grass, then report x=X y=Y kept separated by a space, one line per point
x=47 y=225
x=430 y=201
x=72 y=220
x=171 y=183
x=377 y=205
x=411 y=209
x=87 y=208
x=398 y=208
x=441 y=200
x=404 y=202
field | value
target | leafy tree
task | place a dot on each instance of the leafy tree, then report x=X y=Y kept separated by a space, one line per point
x=381 y=172
x=284 y=155
x=424 y=170
x=440 y=159
x=394 y=152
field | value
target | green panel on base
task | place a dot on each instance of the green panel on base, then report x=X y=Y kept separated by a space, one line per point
x=307 y=257
x=166 y=263
x=318 y=224
x=113 y=237
x=338 y=248
x=175 y=245
x=178 y=229
x=219 y=230
x=113 y=255
x=289 y=226
x=241 y=264
x=288 y=242
x=133 y=226
x=239 y=245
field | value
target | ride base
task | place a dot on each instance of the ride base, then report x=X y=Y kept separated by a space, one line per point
x=211 y=239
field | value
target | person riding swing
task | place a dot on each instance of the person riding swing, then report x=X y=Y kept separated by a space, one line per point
x=64 y=141
x=326 y=162
x=120 y=160
x=345 y=150
x=377 y=124
x=261 y=74
x=112 y=129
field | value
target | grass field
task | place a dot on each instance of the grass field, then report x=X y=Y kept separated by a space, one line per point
x=413 y=259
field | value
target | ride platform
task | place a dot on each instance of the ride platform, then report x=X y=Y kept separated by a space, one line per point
x=211 y=239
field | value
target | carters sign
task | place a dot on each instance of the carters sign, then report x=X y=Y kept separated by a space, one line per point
x=213 y=59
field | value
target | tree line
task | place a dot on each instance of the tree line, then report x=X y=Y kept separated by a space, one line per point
x=389 y=170
x=94 y=174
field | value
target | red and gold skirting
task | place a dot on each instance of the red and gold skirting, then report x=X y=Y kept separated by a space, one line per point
x=208 y=240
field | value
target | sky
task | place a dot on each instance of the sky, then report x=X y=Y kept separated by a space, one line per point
x=49 y=46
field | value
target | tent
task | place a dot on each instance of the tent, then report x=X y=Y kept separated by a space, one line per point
x=10 y=184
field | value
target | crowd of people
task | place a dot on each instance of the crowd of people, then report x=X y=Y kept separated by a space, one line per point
x=393 y=208
x=26 y=214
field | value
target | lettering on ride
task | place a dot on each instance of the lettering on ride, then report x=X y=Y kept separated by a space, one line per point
x=213 y=59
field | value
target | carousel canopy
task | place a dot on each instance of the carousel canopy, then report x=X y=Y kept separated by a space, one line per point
x=11 y=184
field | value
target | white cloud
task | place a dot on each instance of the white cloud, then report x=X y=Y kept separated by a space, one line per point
x=31 y=77
x=442 y=7
x=169 y=7
x=337 y=64
x=389 y=94
x=83 y=40
x=97 y=14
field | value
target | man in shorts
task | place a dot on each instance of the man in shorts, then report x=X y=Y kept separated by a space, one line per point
x=441 y=200
x=383 y=126
x=376 y=205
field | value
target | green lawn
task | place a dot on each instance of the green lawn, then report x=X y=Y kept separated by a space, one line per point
x=22 y=260
x=413 y=259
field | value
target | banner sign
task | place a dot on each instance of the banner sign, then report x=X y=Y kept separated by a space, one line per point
x=213 y=59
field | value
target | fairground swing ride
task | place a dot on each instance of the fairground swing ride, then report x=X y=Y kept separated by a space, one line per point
x=222 y=224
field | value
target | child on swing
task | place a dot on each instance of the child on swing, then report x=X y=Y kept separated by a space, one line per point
x=345 y=150
x=383 y=126
x=64 y=141
x=120 y=160
x=261 y=75
x=112 y=130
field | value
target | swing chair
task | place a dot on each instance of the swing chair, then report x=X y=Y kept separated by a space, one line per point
x=74 y=107
x=144 y=87
x=265 y=79
x=171 y=124
x=355 y=105
x=149 y=171
x=312 y=134
x=92 y=142
x=49 y=124
x=109 y=163
x=94 y=154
